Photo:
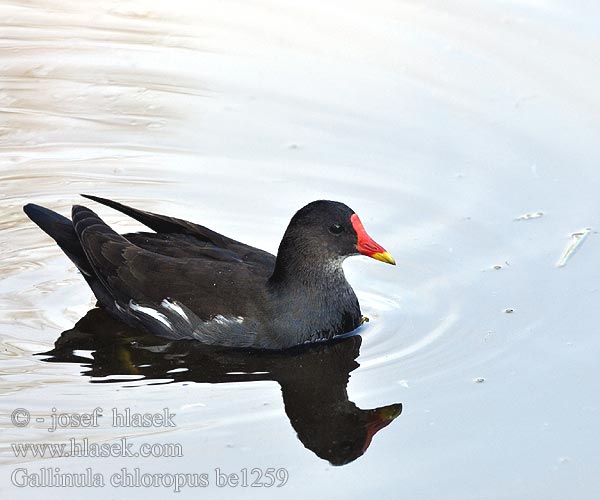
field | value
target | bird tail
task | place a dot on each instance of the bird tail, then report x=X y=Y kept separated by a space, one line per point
x=64 y=232
x=61 y=230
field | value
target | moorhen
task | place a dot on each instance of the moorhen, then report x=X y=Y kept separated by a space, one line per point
x=185 y=281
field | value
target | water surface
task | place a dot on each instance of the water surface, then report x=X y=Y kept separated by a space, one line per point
x=465 y=134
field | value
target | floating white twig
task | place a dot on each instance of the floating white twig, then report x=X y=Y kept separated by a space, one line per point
x=531 y=215
x=577 y=239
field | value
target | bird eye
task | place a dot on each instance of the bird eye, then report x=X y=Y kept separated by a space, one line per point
x=336 y=229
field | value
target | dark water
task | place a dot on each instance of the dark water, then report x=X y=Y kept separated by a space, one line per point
x=463 y=134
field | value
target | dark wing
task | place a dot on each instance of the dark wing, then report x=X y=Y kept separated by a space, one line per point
x=198 y=298
x=182 y=246
x=182 y=236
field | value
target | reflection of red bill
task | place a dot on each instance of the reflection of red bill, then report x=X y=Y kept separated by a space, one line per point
x=367 y=246
x=380 y=418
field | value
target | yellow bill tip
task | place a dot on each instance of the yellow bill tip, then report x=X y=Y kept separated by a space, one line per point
x=389 y=412
x=384 y=257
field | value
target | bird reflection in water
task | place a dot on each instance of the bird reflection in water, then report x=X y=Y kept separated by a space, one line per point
x=313 y=378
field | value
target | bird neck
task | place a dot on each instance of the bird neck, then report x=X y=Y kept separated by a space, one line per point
x=299 y=265
x=314 y=299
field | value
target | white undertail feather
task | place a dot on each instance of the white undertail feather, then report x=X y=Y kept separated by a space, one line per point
x=153 y=313
x=176 y=308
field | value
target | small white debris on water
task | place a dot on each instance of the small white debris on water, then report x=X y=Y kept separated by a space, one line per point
x=177 y=370
x=531 y=215
x=403 y=383
x=534 y=170
x=577 y=238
